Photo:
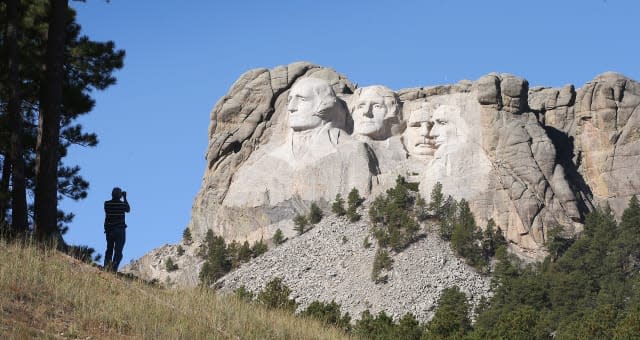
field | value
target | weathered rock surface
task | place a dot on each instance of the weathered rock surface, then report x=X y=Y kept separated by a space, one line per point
x=330 y=262
x=529 y=158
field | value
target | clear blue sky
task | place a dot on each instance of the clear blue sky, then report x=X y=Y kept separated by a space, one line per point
x=182 y=56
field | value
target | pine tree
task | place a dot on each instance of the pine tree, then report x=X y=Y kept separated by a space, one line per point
x=276 y=296
x=315 y=214
x=354 y=199
x=451 y=319
x=338 y=206
x=328 y=313
x=465 y=237
x=50 y=103
x=170 y=265
x=380 y=262
x=437 y=202
x=278 y=237
x=217 y=263
x=449 y=214
x=301 y=223
x=186 y=236
x=258 y=248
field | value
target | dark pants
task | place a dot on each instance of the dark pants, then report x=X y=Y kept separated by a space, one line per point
x=115 y=243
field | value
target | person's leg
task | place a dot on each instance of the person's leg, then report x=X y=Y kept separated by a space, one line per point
x=119 y=245
x=108 y=254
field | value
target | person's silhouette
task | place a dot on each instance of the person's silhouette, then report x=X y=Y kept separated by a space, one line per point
x=114 y=228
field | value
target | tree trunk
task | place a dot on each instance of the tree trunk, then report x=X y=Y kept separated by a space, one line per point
x=19 y=221
x=47 y=154
x=4 y=190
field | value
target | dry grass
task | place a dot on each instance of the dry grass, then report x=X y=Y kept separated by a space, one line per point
x=46 y=294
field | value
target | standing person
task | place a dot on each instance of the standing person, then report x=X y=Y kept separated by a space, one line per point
x=114 y=228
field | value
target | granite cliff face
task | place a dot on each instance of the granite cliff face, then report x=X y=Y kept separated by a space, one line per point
x=529 y=158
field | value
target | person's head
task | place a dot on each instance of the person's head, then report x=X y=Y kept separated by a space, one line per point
x=312 y=103
x=116 y=193
x=417 y=136
x=374 y=109
x=447 y=125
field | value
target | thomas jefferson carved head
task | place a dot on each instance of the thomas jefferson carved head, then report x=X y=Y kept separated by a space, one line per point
x=374 y=109
x=313 y=103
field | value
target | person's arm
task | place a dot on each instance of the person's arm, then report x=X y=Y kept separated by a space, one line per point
x=126 y=203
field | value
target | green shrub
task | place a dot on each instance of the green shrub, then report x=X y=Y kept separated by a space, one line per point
x=465 y=238
x=301 y=224
x=329 y=313
x=258 y=248
x=315 y=214
x=382 y=326
x=354 y=199
x=353 y=215
x=180 y=250
x=278 y=237
x=437 y=201
x=217 y=262
x=276 y=296
x=170 y=265
x=365 y=243
x=451 y=319
x=338 y=206
x=243 y=294
x=380 y=262
x=392 y=223
x=186 y=236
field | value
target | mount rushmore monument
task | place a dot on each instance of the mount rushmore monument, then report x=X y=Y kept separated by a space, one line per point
x=528 y=158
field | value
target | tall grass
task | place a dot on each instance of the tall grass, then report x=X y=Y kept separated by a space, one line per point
x=46 y=294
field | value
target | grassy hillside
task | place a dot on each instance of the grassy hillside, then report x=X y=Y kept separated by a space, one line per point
x=46 y=294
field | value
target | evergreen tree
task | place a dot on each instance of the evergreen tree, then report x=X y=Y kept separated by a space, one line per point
x=421 y=209
x=466 y=236
x=301 y=223
x=244 y=252
x=437 y=201
x=328 y=313
x=243 y=294
x=370 y=327
x=170 y=265
x=354 y=199
x=380 y=262
x=49 y=104
x=408 y=328
x=449 y=213
x=278 y=237
x=392 y=223
x=186 y=236
x=258 y=248
x=451 y=319
x=217 y=263
x=353 y=202
x=315 y=214
x=276 y=296
x=338 y=206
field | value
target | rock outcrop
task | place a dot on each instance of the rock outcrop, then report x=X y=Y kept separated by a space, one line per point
x=528 y=158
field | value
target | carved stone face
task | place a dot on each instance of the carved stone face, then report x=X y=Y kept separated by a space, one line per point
x=369 y=114
x=446 y=126
x=418 y=139
x=302 y=107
